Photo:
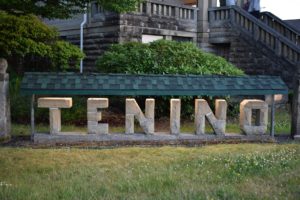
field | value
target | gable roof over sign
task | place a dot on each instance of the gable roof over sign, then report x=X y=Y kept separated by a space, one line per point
x=149 y=85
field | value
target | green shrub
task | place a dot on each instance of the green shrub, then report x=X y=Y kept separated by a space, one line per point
x=164 y=57
x=27 y=41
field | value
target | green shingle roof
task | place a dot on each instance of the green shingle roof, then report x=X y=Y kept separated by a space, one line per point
x=148 y=85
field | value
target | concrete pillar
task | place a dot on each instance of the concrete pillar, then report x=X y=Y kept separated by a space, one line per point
x=175 y=109
x=203 y=24
x=240 y=3
x=54 y=105
x=213 y=3
x=247 y=107
x=217 y=121
x=295 y=131
x=94 y=115
x=5 y=123
x=222 y=3
x=133 y=111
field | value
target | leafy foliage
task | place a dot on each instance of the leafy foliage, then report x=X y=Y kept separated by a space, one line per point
x=63 y=53
x=26 y=36
x=61 y=8
x=120 y=6
x=163 y=57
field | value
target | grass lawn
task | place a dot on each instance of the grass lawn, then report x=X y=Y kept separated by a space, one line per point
x=236 y=171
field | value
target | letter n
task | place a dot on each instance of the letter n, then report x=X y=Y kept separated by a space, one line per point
x=218 y=122
x=133 y=111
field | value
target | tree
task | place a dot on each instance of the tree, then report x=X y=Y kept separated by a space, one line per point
x=62 y=9
x=28 y=38
x=24 y=35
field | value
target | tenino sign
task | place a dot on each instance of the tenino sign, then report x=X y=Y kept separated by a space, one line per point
x=146 y=120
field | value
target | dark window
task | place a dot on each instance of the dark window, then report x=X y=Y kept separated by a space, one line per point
x=182 y=39
x=96 y=9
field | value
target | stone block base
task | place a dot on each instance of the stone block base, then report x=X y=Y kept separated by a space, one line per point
x=121 y=139
x=297 y=137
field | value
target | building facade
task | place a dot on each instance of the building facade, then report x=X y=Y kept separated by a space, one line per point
x=259 y=46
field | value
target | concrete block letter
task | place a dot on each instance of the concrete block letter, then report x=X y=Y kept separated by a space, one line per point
x=217 y=121
x=54 y=105
x=94 y=115
x=175 y=110
x=247 y=107
x=146 y=121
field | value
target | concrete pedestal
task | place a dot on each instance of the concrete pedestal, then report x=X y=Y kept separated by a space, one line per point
x=5 y=123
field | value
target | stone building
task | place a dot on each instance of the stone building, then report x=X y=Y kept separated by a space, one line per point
x=267 y=46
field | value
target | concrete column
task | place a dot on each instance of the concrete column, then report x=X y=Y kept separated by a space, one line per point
x=222 y=3
x=175 y=109
x=148 y=8
x=203 y=24
x=54 y=105
x=295 y=131
x=240 y=3
x=213 y=3
x=5 y=123
x=94 y=115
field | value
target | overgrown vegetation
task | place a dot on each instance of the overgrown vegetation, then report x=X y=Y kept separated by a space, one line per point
x=165 y=57
x=243 y=171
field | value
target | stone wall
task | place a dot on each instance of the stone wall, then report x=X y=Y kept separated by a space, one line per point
x=133 y=26
x=253 y=57
x=160 y=18
x=251 y=44
x=100 y=32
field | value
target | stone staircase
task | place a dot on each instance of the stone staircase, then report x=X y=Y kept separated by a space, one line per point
x=259 y=46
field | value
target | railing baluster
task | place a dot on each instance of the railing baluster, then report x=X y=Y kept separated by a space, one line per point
x=282 y=46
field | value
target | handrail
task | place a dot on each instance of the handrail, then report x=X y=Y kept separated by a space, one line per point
x=282 y=27
x=261 y=32
x=168 y=9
